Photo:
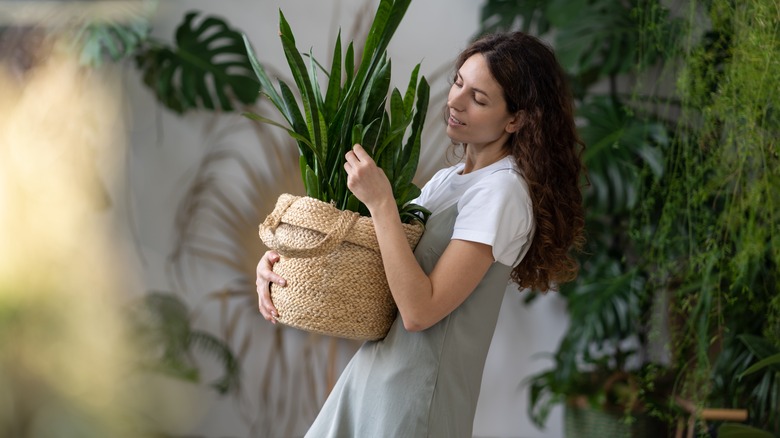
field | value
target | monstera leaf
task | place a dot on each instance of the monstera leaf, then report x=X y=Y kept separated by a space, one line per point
x=594 y=38
x=115 y=40
x=502 y=15
x=620 y=146
x=207 y=68
x=604 y=35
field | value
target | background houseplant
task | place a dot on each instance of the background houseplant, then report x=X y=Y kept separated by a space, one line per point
x=695 y=234
x=716 y=243
x=604 y=359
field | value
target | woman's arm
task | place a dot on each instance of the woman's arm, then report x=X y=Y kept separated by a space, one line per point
x=422 y=300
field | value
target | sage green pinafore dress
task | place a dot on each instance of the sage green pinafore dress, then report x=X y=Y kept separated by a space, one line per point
x=419 y=384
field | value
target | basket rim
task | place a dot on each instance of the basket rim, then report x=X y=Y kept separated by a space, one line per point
x=363 y=232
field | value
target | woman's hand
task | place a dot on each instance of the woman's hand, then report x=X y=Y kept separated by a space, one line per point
x=266 y=276
x=366 y=180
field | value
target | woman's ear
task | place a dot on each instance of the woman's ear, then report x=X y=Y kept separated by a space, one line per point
x=515 y=123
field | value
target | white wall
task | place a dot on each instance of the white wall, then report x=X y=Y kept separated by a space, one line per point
x=162 y=159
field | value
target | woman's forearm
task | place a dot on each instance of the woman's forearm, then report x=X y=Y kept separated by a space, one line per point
x=422 y=300
x=410 y=286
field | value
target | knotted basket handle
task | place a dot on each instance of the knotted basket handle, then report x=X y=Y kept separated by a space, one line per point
x=346 y=220
x=275 y=218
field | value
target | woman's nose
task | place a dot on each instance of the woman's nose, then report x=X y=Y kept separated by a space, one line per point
x=454 y=99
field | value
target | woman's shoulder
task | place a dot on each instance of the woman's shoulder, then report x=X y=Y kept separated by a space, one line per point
x=503 y=177
x=441 y=176
x=444 y=172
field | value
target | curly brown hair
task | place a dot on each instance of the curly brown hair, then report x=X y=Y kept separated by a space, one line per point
x=547 y=150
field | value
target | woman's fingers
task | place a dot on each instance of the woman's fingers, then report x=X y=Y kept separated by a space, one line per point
x=365 y=179
x=360 y=153
x=266 y=276
x=358 y=156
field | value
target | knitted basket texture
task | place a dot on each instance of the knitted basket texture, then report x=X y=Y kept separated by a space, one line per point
x=336 y=283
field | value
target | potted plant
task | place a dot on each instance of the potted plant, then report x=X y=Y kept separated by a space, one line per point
x=601 y=372
x=329 y=254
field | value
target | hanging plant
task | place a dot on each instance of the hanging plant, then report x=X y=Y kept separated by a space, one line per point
x=716 y=243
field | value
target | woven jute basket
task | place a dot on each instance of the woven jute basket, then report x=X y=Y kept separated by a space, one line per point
x=336 y=282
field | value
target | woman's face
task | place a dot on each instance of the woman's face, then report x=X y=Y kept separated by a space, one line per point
x=477 y=110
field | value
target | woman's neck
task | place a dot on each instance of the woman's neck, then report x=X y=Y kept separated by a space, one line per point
x=478 y=158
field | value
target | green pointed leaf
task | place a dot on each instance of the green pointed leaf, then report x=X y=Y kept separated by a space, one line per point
x=353 y=204
x=349 y=66
x=411 y=151
x=410 y=212
x=292 y=133
x=315 y=84
x=312 y=183
x=316 y=125
x=284 y=28
x=266 y=85
x=333 y=92
x=373 y=134
x=397 y=110
x=759 y=346
x=357 y=134
x=375 y=32
x=411 y=90
x=372 y=102
x=403 y=179
x=771 y=361
x=393 y=21
x=292 y=111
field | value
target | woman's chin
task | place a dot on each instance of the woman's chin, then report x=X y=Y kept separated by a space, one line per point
x=453 y=135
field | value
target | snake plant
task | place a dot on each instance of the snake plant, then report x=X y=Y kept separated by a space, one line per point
x=354 y=109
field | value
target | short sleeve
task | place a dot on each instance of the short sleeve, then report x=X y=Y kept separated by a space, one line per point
x=497 y=211
x=432 y=195
x=429 y=187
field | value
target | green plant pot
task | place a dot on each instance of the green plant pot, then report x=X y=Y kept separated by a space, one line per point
x=586 y=422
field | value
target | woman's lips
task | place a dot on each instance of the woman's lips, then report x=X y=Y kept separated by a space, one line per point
x=454 y=122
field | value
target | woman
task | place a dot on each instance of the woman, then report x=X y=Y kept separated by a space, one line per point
x=510 y=210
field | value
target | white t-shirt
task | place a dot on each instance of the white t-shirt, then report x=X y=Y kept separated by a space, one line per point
x=494 y=207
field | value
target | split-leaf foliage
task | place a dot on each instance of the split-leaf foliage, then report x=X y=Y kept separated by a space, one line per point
x=206 y=68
